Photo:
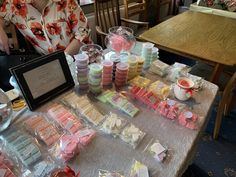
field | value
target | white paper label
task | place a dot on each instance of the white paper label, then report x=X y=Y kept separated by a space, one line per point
x=69 y=124
x=29 y=149
x=2 y=172
x=85 y=133
x=157 y=148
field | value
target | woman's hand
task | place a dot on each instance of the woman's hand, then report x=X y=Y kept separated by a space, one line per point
x=4 y=43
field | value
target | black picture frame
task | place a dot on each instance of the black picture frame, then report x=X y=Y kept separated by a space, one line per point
x=20 y=71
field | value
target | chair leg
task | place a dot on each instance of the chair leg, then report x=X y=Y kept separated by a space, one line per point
x=223 y=103
x=232 y=103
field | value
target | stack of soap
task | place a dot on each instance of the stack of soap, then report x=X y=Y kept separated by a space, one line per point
x=82 y=61
x=140 y=61
x=107 y=72
x=158 y=67
x=132 y=135
x=85 y=136
x=24 y=147
x=121 y=74
x=44 y=130
x=147 y=54
x=95 y=78
x=160 y=89
x=155 y=54
x=65 y=118
x=188 y=119
x=83 y=105
x=113 y=124
x=170 y=108
x=133 y=65
x=6 y=166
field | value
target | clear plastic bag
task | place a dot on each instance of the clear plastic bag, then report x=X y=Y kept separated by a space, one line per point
x=188 y=119
x=140 y=81
x=158 y=67
x=65 y=118
x=177 y=70
x=44 y=168
x=160 y=89
x=157 y=150
x=113 y=124
x=132 y=135
x=170 y=108
x=105 y=173
x=66 y=148
x=42 y=129
x=83 y=106
x=138 y=169
x=22 y=146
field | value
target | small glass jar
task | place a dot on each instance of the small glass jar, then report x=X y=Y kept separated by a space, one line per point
x=6 y=112
x=94 y=51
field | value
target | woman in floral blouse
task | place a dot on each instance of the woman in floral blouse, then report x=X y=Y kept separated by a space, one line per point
x=49 y=25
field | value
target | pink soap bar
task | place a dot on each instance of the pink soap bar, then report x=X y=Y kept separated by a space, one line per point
x=188 y=119
x=68 y=147
x=168 y=109
x=7 y=165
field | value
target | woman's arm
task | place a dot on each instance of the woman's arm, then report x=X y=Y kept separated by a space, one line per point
x=4 y=43
x=73 y=47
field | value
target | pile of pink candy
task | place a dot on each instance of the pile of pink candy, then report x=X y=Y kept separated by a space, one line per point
x=6 y=166
x=145 y=96
x=80 y=135
x=170 y=109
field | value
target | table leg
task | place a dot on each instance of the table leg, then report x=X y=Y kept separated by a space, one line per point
x=216 y=73
x=223 y=103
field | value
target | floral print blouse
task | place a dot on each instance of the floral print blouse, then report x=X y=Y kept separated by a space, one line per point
x=60 y=22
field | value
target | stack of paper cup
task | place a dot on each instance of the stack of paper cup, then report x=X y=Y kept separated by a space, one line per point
x=115 y=59
x=107 y=72
x=82 y=61
x=133 y=64
x=140 y=62
x=121 y=74
x=95 y=78
x=147 y=54
x=155 y=54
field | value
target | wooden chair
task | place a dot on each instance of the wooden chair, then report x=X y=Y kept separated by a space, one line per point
x=138 y=10
x=108 y=15
x=170 y=5
x=227 y=101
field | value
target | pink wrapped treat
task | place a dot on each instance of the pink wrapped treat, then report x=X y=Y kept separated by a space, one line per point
x=169 y=108
x=6 y=166
x=67 y=148
x=85 y=136
x=117 y=42
x=65 y=118
x=188 y=119
x=44 y=130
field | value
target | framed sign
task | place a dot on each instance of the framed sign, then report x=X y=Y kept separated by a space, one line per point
x=43 y=78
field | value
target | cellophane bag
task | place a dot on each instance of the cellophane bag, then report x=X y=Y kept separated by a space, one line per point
x=85 y=135
x=176 y=71
x=170 y=108
x=138 y=169
x=83 y=107
x=140 y=81
x=113 y=124
x=188 y=119
x=65 y=118
x=158 y=67
x=105 y=173
x=24 y=147
x=132 y=135
x=160 y=89
x=44 y=130
x=157 y=150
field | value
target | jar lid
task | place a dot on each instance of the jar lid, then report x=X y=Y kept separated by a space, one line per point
x=107 y=63
x=81 y=57
x=95 y=67
x=122 y=66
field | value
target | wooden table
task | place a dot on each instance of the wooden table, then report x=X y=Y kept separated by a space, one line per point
x=200 y=36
